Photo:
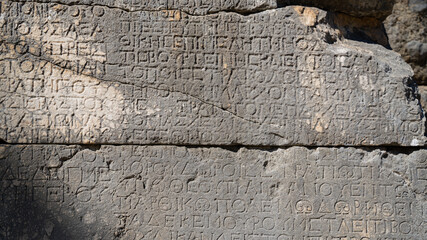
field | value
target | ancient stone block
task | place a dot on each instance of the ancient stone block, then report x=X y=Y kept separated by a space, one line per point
x=169 y=192
x=92 y=74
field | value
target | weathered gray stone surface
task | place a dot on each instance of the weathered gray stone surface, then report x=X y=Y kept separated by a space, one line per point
x=166 y=192
x=360 y=8
x=129 y=113
x=407 y=31
x=92 y=74
x=194 y=7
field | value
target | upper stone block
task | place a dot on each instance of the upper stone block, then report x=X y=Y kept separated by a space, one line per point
x=93 y=74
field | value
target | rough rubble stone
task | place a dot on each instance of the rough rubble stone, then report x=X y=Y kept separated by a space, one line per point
x=93 y=74
x=167 y=192
x=407 y=31
x=378 y=9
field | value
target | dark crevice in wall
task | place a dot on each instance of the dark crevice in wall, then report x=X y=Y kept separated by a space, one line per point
x=236 y=148
x=92 y=147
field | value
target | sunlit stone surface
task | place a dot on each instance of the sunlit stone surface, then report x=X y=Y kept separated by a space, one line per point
x=93 y=74
x=207 y=120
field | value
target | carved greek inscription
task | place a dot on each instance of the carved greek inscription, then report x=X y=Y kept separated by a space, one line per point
x=211 y=193
x=193 y=7
x=168 y=77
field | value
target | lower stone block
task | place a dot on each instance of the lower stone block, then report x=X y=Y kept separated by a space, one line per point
x=168 y=192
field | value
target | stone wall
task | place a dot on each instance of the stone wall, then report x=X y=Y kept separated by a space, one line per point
x=207 y=120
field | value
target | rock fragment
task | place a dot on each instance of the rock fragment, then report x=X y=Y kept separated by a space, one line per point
x=407 y=31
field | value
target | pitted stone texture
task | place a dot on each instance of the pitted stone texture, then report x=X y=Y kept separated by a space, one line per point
x=379 y=9
x=194 y=7
x=159 y=192
x=81 y=74
x=407 y=31
x=359 y=8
